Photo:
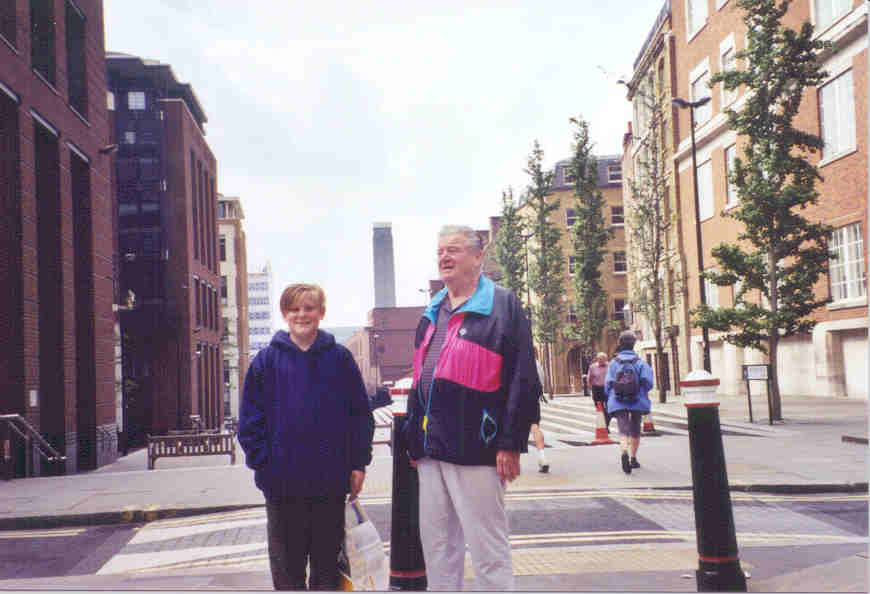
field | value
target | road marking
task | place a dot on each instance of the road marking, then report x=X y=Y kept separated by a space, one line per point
x=8 y=535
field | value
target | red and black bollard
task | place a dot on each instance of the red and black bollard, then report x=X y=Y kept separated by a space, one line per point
x=407 y=569
x=718 y=562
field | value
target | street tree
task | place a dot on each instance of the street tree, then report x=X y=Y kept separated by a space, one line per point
x=781 y=254
x=650 y=227
x=589 y=236
x=510 y=245
x=545 y=274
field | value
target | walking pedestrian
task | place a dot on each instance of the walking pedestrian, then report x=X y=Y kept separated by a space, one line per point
x=304 y=427
x=475 y=395
x=536 y=432
x=595 y=376
x=629 y=380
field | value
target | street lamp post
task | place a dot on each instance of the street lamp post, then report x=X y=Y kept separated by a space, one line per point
x=682 y=104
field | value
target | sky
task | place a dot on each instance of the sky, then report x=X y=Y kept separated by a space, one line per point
x=326 y=117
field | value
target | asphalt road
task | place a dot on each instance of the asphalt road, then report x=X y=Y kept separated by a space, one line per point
x=776 y=533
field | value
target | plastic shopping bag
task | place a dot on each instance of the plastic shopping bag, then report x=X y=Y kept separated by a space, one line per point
x=362 y=562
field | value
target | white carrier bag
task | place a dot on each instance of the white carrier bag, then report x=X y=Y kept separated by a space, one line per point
x=362 y=562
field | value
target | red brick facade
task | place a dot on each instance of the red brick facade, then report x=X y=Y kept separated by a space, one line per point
x=843 y=194
x=56 y=367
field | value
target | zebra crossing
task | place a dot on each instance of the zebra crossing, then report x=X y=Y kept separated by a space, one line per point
x=569 y=422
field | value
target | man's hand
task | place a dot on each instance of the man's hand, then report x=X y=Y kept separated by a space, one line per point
x=357 y=477
x=507 y=463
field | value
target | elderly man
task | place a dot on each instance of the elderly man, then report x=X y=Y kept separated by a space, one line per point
x=474 y=399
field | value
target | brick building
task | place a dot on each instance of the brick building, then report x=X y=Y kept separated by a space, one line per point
x=651 y=83
x=167 y=235
x=233 y=257
x=707 y=33
x=567 y=365
x=384 y=349
x=56 y=364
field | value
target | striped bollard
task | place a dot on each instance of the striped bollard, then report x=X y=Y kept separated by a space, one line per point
x=407 y=569
x=718 y=563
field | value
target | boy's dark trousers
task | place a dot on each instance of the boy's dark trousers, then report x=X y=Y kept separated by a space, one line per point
x=304 y=529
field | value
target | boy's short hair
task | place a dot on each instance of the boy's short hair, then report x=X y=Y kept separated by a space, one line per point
x=293 y=293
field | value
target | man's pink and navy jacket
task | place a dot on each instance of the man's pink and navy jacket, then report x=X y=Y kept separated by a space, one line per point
x=485 y=390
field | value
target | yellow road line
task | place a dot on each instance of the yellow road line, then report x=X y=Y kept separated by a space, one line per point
x=41 y=533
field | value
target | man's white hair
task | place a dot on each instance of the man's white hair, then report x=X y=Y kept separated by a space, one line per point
x=472 y=239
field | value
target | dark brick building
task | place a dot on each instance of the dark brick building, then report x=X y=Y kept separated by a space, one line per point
x=56 y=321
x=168 y=248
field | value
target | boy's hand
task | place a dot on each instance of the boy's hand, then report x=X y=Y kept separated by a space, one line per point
x=357 y=477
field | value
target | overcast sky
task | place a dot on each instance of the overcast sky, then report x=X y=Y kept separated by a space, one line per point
x=326 y=117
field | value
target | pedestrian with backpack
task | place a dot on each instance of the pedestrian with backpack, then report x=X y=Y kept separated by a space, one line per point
x=629 y=380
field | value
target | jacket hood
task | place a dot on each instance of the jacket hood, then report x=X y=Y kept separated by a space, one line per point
x=324 y=341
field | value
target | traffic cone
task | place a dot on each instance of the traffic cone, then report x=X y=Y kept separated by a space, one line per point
x=648 y=428
x=602 y=435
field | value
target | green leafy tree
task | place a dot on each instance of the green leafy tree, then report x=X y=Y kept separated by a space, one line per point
x=545 y=274
x=510 y=245
x=589 y=236
x=782 y=255
x=650 y=225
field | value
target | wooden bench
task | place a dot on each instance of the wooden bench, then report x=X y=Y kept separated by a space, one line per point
x=196 y=444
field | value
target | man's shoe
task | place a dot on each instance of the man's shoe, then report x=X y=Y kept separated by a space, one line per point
x=544 y=468
x=634 y=463
x=626 y=465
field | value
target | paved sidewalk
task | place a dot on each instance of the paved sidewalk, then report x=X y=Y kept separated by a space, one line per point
x=805 y=453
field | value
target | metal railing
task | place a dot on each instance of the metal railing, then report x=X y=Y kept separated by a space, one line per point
x=33 y=442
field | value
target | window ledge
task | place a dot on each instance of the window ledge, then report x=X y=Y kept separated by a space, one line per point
x=41 y=77
x=79 y=116
x=837 y=157
x=847 y=303
x=10 y=45
x=699 y=29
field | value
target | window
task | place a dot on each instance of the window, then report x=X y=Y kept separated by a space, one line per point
x=701 y=89
x=572 y=264
x=572 y=313
x=568 y=176
x=129 y=138
x=223 y=290
x=711 y=292
x=198 y=303
x=110 y=100
x=696 y=13
x=705 y=191
x=75 y=59
x=570 y=217
x=42 y=38
x=730 y=188
x=614 y=172
x=736 y=288
x=728 y=62
x=620 y=265
x=617 y=217
x=8 y=22
x=222 y=247
x=828 y=11
x=136 y=100
x=837 y=104
x=619 y=309
x=847 y=276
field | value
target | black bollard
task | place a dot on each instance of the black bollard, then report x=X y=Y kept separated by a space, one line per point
x=407 y=569
x=718 y=562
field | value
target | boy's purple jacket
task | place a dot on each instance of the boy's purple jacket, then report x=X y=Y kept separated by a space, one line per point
x=304 y=419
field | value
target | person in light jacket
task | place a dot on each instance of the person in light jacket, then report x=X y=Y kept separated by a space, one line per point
x=628 y=412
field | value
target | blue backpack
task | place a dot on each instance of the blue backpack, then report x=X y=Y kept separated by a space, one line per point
x=626 y=379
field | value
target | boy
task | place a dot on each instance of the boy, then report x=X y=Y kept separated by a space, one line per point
x=304 y=427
